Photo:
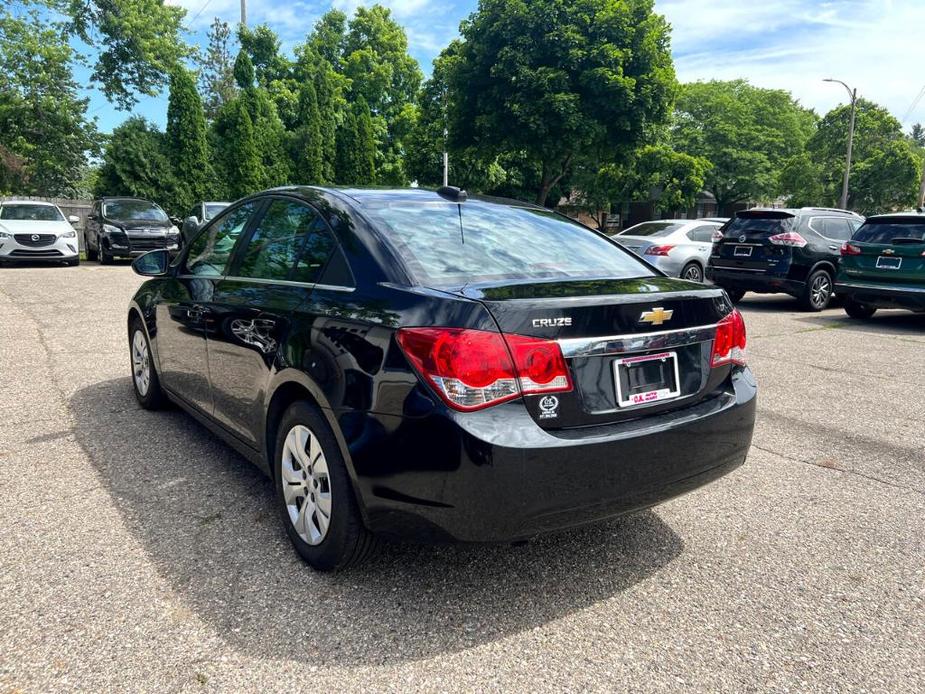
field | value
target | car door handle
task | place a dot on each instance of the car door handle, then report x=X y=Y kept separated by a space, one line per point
x=833 y=247
x=196 y=312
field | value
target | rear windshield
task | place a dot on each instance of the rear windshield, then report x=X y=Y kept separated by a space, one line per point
x=887 y=233
x=454 y=245
x=760 y=225
x=652 y=229
x=38 y=213
x=134 y=209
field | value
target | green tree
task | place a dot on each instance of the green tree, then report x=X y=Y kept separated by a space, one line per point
x=329 y=37
x=747 y=133
x=801 y=180
x=134 y=163
x=216 y=74
x=306 y=144
x=917 y=134
x=312 y=67
x=45 y=134
x=356 y=147
x=345 y=165
x=186 y=142
x=888 y=180
x=560 y=79
x=241 y=169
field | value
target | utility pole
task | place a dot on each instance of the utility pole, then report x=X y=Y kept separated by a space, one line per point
x=853 y=95
x=244 y=12
x=446 y=161
x=921 y=204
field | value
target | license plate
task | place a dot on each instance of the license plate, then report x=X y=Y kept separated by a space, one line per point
x=742 y=251
x=646 y=379
x=885 y=262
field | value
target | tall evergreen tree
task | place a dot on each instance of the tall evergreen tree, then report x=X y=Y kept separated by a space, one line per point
x=216 y=75
x=186 y=142
x=242 y=171
x=306 y=145
x=345 y=165
x=365 y=144
x=134 y=163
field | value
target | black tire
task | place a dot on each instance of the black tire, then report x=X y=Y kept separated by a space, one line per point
x=346 y=542
x=858 y=310
x=105 y=258
x=93 y=253
x=818 y=291
x=153 y=398
x=692 y=271
x=735 y=295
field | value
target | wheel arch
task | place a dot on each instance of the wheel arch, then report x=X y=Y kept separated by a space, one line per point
x=823 y=265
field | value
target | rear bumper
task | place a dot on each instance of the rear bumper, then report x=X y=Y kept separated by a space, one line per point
x=496 y=476
x=883 y=296
x=754 y=281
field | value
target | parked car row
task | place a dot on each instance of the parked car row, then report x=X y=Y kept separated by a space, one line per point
x=117 y=227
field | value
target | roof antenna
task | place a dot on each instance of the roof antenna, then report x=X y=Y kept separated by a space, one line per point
x=452 y=193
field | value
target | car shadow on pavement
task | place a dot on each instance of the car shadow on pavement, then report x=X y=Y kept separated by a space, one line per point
x=897 y=323
x=206 y=519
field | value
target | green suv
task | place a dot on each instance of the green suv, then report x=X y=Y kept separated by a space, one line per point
x=883 y=265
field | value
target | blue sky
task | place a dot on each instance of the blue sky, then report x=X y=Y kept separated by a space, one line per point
x=875 y=45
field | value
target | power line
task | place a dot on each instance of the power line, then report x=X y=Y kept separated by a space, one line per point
x=915 y=103
x=201 y=10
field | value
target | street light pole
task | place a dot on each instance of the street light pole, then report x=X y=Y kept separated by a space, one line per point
x=853 y=95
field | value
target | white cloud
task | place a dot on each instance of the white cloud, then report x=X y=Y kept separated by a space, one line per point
x=874 y=45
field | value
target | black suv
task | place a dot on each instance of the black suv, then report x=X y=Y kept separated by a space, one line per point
x=422 y=364
x=792 y=251
x=127 y=227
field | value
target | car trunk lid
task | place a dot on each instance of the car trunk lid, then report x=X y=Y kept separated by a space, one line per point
x=597 y=323
x=887 y=249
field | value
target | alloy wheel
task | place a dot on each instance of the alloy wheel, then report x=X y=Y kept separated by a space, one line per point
x=306 y=484
x=693 y=273
x=141 y=363
x=820 y=290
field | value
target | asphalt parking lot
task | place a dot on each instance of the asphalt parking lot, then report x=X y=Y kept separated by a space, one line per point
x=139 y=553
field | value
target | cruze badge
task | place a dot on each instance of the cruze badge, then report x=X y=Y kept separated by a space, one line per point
x=656 y=316
x=552 y=322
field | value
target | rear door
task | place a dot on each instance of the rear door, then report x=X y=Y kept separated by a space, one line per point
x=747 y=246
x=889 y=250
x=274 y=273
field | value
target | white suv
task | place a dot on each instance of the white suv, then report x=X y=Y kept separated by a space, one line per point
x=32 y=230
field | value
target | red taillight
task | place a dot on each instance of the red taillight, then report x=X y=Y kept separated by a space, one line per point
x=850 y=249
x=789 y=238
x=658 y=250
x=472 y=369
x=729 y=345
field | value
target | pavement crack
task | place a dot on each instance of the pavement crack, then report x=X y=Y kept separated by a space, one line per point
x=847 y=471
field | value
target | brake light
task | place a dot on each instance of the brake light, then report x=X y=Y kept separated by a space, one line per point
x=474 y=369
x=788 y=238
x=729 y=345
x=658 y=250
x=850 y=249
x=717 y=236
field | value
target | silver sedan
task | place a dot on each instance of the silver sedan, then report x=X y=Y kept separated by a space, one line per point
x=677 y=247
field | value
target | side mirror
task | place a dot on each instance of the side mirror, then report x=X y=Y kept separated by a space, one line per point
x=189 y=229
x=152 y=263
x=73 y=219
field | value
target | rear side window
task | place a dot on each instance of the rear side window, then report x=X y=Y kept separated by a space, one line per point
x=290 y=243
x=703 y=233
x=210 y=251
x=452 y=245
x=652 y=229
x=891 y=232
x=832 y=227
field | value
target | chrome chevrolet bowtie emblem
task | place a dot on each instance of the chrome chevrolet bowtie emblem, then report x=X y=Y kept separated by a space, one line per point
x=656 y=316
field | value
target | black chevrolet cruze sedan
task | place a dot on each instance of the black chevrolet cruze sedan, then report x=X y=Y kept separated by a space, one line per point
x=428 y=366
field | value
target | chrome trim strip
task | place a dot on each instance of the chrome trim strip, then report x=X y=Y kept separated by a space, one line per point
x=261 y=280
x=878 y=288
x=621 y=344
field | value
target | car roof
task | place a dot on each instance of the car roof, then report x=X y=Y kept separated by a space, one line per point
x=376 y=196
x=797 y=211
x=911 y=217
x=113 y=198
x=43 y=203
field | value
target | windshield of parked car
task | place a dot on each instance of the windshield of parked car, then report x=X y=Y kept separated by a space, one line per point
x=758 y=225
x=454 y=245
x=213 y=208
x=887 y=232
x=652 y=229
x=134 y=209
x=38 y=213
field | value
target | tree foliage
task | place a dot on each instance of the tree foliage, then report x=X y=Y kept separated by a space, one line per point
x=45 y=134
x=134 y=162
x=560 y=79
x=356 y=147
x=236 y=151
x=747 y=133
x=307 y=146
x=216 y=73
x=186 y=142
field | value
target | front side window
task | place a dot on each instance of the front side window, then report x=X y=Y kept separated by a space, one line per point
x=133 y=210
x=291 y=243
x=211 y=250
x=31 y=213
x=445 y=244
